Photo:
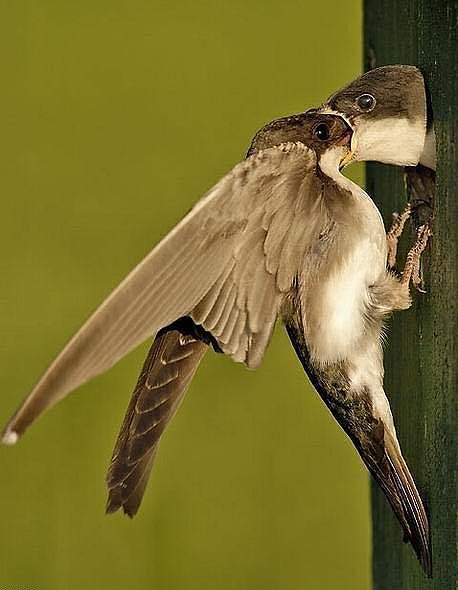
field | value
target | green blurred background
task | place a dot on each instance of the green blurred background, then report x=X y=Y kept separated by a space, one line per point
x=116 y=116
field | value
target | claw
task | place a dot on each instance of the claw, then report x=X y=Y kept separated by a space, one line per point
x=395 y=232
x=412 y=265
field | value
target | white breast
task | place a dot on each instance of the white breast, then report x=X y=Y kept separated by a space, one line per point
x=334 y=322
x=334 y=310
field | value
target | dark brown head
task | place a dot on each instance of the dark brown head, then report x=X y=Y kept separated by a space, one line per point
x=386 y=108
x=317 y=131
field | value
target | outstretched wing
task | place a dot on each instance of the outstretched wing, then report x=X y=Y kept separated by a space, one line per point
x=227 y=265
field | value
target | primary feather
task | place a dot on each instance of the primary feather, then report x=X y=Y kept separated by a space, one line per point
x=206 y=267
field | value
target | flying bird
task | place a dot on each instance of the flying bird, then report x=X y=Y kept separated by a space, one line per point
x=283 y=234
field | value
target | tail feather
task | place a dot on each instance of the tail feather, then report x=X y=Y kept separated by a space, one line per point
x=381 y=454
x=412 y=513
x=168 y=369
x=376 y=444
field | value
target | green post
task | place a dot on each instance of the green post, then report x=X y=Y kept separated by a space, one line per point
x=422 y=350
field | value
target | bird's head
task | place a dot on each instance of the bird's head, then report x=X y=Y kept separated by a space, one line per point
x=387 y=110
x=320 y=132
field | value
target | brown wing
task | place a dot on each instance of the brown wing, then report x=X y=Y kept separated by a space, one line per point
x=168 y=369
x=227 y=265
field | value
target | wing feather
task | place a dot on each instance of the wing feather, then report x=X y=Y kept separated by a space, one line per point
x=169 y=367
x=202 y=310
x=220 y=260
x=233 y=332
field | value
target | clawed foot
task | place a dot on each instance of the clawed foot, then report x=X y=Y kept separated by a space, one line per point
x=393 y=235
x=412 y=266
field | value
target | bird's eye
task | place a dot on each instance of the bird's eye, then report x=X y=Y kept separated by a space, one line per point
x=321 y=132
x=366 y=102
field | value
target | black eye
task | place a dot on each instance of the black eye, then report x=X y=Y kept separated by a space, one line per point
x=321 y=132
x=366 y=102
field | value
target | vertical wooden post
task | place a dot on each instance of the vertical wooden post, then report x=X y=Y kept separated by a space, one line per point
x=422 y=354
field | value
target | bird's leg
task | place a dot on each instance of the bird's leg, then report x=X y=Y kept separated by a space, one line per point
x=411 y=270
x=395 y=232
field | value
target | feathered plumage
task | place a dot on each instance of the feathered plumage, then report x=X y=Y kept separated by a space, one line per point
x=283 y=234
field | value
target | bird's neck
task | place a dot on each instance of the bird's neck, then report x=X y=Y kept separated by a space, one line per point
x=329 y=162
x=353 y=200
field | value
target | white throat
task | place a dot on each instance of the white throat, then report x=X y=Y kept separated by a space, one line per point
x=392 y=140
x=329 y=162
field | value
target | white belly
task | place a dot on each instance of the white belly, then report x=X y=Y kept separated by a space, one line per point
x=335 y=321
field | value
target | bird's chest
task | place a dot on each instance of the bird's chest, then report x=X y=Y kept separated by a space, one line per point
x=334 y=313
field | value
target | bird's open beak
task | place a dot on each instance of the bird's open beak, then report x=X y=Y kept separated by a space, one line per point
x=346 y=140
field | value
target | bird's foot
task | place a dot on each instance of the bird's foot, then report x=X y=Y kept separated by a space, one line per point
x=411 y=270
x=395 y=232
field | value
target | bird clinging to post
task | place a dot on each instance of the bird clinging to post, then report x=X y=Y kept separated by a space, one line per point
x=284 y=234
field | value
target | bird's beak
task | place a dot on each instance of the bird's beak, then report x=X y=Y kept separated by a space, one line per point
x=348 y=157
x=347 y=139
x=345 y=142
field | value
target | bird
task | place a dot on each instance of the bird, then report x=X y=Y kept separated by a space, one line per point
x=283 y=234
x=389 y=110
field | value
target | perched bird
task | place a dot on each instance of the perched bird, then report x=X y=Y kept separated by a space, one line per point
x=283 y=234
x=389 y=111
